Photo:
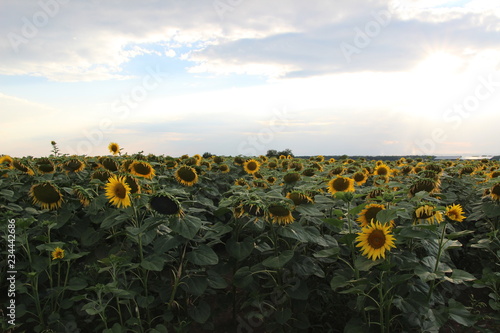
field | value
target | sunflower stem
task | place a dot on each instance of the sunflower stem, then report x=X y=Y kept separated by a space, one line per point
x=438 y=258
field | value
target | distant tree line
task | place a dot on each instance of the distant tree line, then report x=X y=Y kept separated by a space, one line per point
x=275 y=153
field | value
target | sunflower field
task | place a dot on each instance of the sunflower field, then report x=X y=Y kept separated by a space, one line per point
x=146 y=243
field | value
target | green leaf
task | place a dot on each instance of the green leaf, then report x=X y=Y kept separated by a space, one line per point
x=279 y=261
x=363 y=264
x=153 y=263
x=76 y=283
x=187 y=227
x=240 y=250
x=199 y=313
x=459 y=313
x=338 y=281
x=491 y=209
x=243 y=277
x=195 y=285
x=386 y=215
x=327 y=253
x=458 y=276
x=203 y=255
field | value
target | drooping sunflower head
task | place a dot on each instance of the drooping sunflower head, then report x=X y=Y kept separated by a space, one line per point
x=58 y=253
x=218 y=159
x=317 y=166
x=494 y=174
x=467 y=170
x=102 y=174
x=260 y=183
x=429 y=213
x=369 y=214
x=309 y=172
x=192 y=161
x=6 y=162
x=319 y=158
x=238 y=160
x=291 y=177
x=45 y=165
x=207 y=165
x=434 y=167
x=374 y=240
x=280 y=213
x=272 y=165
x=133 y=183
x=406 y=169
x=299 y=197
x=142 y=169
x=341 y=184
x=166 y=204
x=224 y=168
x=241 y=182
x=251 y=166
x=425 y=184
x=360 y=177
x=126 y=164
x=17 y=164
x=297 y=166
x=186 y=175
x=118 y=191
x=374 y=194
x=495 y=192
x=46 y=195
x=336 y=171
x=84 y=195
x=109 y=164
x=114 y=148
x=73 y=165
x=271 y=180
x=455 y=213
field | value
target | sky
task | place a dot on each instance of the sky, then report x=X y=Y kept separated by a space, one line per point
x=240 y=77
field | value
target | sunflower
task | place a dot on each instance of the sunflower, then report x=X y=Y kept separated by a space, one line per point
x=468 y=170
x=238 y=160
x=218 y=159
x=58 y=253
x=73 y=165
x=297 y=166
x=299 y=197
x=23 y=168
x=118 y=191
x=260 y=183
x=291 y=177
x=171 y=164
x=103 y=175
x=46 y=195
x=114 y=148
x=272 y=165
x=224 y=168
x=207 y=165
x=429 y=185
x=407 y=169
x=369 y=214
x=82 y=194
x=374 y=240
x=271 y=179
x=336 y=171
x=133 y=183
x=429 y=213
x=126 y=164
x=45 y=165
x=360 y=177
x=109 y=164
x=251 y=166
x=341 y=184
x=372 y=195
x=166 y=204
x=142 y=169
x=6 y=161
x=495 y=192
x=280 y=213
x=494 y=174
x=382 y=170
x=309 y=172
x=192 y=161
x=241 y=182
x=455 y=213
x=186 y=175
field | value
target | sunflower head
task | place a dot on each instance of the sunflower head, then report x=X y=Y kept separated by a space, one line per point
x=382 y=170
x=142 y=169
x=240 y=182
x=271 y=179
x=238 y=160
x=102 y=174
x=272 y=165
x=218 y=159
x=45 y=165
x=495 y=192
x=280 y=213
x=369 y=214
x=455 y=213
x=58 y=253
x=360 y=177
x=109 y=164
x=425 y=184
x=83 y=195
x=224 y=168
x=133 y=183
x=291 y=177
x=372 y=195
x=22 y=167
x=251 y=166
x=467 y=170
x=341 y=184
x=374 y=240
x=166 y=204
x=46 y=195
x=309 y=172
x=429 y=213
x=299 y=197
x=494 y=174
x=259 y=183
x=406 y=169
x=6 y=161
x=114 y=148
x=192 y=161
x=186 y=175
x=73 y=165
x=118 y=191
x=297 y=166
x=336 y=171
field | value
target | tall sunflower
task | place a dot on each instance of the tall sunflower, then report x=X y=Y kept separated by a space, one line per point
x=46 y=195
x=114 y=148
x=251 y=166
x=341 y=184
x=374 y=240
x=455 y=213
x=118 y=191
x=142 y=169
x=186 y=175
